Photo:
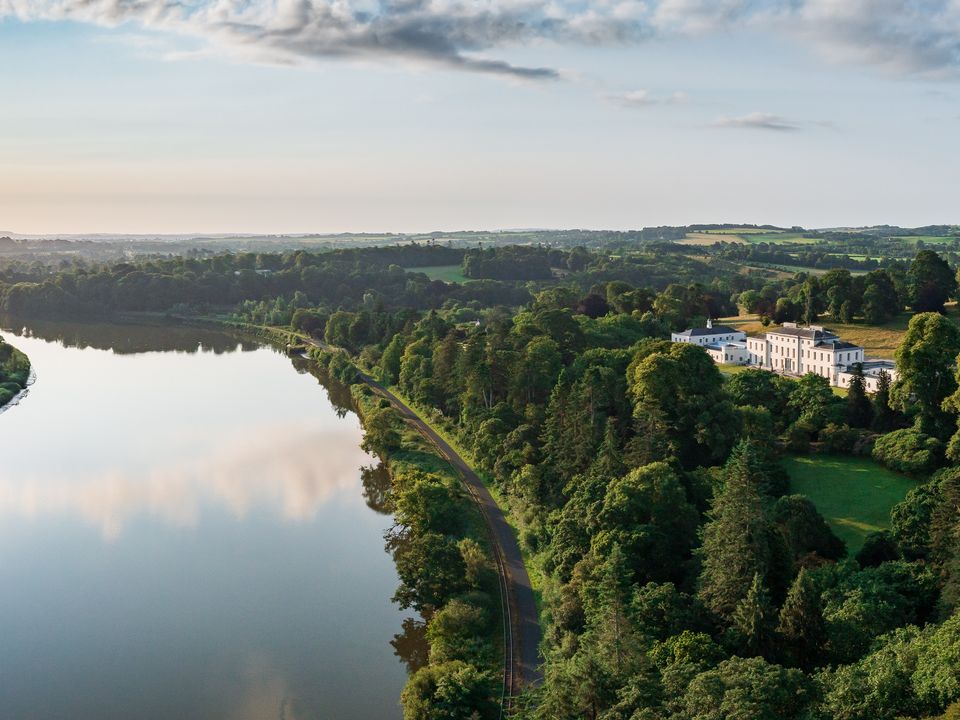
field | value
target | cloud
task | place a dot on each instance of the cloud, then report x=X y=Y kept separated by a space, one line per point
x=757 y=121
x=644 y=98
x=450 y=33
x=902 y=36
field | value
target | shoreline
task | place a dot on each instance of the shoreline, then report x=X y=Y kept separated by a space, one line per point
x=19 y=397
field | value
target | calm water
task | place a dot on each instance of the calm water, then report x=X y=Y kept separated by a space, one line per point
x=185 y=532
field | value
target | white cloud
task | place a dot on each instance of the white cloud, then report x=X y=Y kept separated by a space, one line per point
x=645 y=98
x=904 y=36
x=757 y=121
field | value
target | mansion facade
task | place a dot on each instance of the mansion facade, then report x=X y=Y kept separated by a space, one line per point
x=790 y=350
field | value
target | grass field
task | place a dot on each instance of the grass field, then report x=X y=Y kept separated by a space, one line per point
x=447 y=273
x=853 y=494
x=748 y=235
x=709 y=238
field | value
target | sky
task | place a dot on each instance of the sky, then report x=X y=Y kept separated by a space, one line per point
x=298 y=116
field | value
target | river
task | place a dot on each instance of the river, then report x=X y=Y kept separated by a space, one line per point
x=186 y=533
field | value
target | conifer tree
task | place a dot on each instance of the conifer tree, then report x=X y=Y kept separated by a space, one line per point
x=739 y=541
x=802 y=626
x=754 y=619
x=884 y=416
x=859 y=408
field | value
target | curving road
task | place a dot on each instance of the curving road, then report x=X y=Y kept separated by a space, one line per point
x=522 y=640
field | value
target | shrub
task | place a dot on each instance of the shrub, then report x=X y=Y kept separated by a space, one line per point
x=839 y=438
x=798 y=437
x=461 y=631
x=909 y=451
x=449 y=691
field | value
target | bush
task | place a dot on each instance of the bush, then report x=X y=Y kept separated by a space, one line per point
x=839 y=439
x=878 y=548
x=798 y=437
x=449 y=691
x=461 y=631
x=909 y=451
x=5 y=396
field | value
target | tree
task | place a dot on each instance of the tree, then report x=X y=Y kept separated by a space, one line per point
x=804 y=529
x=593 y=306
x=460 y=632
x=739 y=542
x=449 y=691
x=801 y=625
x=877 y=687
x=813 y=403
x=748 y=688
x=390 y=361
x=881 y=301
x=925 y=360
x=930 y=281
x=431 y=571
x=884 y=417
x=812 y=297
x=680 y=387
x=753 y=620
x=909 y=451
x=859 y=407
x=646 y=515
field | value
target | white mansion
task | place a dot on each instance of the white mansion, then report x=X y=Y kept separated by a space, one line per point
x=789 y=350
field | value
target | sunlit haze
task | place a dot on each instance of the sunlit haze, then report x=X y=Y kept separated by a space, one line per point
x=295 y=117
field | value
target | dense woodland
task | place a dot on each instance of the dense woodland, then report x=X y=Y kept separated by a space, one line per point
x=682 y=578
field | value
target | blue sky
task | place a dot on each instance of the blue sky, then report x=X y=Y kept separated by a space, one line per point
x=438 y=114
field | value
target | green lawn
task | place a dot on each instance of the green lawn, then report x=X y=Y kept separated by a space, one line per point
x=854 y=494
x=447 y=273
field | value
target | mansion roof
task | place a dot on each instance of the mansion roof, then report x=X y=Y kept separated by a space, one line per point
x=715 y=330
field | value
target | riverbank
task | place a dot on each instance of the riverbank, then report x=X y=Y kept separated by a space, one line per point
x=16 y=375
x=415 y=447
x=419 y=467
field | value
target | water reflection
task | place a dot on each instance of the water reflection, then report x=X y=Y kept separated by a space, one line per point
x=377 y=488
x=185 y=532
x=133 y=337
x=411 y=645
x=291 y=470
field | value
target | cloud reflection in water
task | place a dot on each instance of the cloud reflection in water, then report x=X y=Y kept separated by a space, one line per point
x=291 y=470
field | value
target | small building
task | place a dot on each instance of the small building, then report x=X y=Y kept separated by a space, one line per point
x=709 y=335
x=728 y=353
x=871 y=374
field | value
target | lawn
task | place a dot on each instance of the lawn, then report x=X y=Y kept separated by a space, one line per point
x=853 y=494
x=447 y=273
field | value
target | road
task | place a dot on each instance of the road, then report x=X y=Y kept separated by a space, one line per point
x=522 y=651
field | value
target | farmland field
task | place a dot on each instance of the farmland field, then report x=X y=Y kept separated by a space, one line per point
x=709 y=237
x=853 y=494
x=447 y=273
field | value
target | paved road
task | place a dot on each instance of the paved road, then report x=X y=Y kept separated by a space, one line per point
x=525 y=631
